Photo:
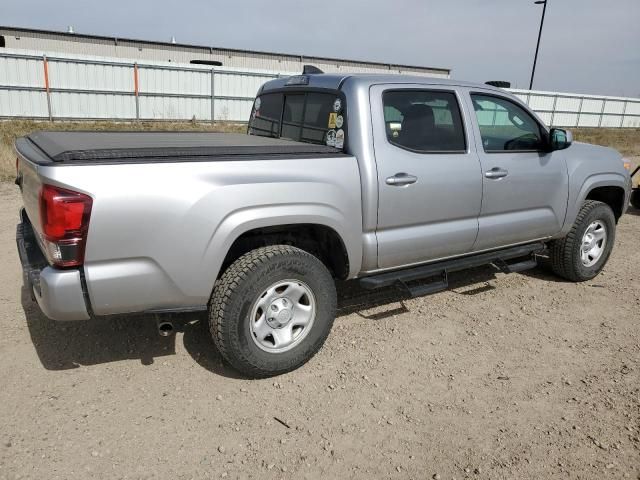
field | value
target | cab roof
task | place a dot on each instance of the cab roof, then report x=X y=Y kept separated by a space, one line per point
x=335 y=81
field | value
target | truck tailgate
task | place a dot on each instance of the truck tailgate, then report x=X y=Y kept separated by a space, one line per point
x=30 y=183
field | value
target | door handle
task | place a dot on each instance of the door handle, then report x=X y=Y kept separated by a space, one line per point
x=496 y=172
x=401 y=179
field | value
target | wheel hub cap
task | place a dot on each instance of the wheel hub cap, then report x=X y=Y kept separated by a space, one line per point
x=279 y=313
x=593 y=243
x=282 y=316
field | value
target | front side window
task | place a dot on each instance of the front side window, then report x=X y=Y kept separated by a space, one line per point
x=505 y=126
x=311 y=117
x=424 y=121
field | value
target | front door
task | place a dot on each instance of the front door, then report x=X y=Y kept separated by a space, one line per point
x=429 y=177
x=525 y=187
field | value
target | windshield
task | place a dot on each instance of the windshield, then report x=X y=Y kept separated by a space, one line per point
x=311 y=117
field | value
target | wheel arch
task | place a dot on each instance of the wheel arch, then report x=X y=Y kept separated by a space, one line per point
x=612 y=195
x=607 y=187
x=296 y=225
x=318 y=239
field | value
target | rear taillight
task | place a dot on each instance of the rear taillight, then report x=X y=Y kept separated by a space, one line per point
x=64 y=216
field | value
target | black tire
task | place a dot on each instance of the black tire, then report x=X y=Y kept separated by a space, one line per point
x=635 y=198
x=564 y=253
x=243 y=283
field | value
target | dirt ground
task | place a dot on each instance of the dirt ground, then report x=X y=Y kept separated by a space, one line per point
x=504 y=376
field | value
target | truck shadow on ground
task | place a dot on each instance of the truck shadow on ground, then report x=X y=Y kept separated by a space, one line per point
x=68 y=345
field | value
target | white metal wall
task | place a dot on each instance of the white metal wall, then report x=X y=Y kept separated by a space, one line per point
x=81 y=87
x=575 y=110
x=141 y=51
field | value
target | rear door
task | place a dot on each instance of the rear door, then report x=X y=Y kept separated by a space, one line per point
x=429 y=178
x=525 y=187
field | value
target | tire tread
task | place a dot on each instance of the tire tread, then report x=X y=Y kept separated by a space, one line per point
x=563 y=262
x=239 y=272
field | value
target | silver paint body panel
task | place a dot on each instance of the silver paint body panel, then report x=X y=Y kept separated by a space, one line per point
x=435 y=217
x=60 y=295
x=159 y=232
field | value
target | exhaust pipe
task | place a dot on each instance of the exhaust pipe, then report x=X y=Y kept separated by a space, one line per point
x=165 y=328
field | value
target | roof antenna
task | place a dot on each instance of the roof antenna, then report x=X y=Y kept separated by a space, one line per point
x=173 y=39
x=310 y=70
x=70 y=29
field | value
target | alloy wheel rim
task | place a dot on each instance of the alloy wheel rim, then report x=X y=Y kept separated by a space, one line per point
x=282 y=316
x=593 y=243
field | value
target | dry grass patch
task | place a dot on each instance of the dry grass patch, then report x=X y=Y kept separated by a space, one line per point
x=12 y=129
x=625 y=140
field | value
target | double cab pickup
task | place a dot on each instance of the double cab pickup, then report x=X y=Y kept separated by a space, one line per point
x=391 y=180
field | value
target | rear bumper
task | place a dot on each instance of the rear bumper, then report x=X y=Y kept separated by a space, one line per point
x=58 y=292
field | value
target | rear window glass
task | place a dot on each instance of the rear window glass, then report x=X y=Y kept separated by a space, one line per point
x=310 y=117
x=266 y=116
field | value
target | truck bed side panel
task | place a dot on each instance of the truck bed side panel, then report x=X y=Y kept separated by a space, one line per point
x=159 y=232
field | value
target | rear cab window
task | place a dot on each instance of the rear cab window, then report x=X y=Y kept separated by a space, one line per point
x=303 y=116
x=424 y=121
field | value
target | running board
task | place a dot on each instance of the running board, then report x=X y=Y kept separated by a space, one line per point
x=439 y=271
x=426 y=288
x=520 y=266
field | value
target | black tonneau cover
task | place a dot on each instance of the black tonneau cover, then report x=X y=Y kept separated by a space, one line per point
x=63 y=147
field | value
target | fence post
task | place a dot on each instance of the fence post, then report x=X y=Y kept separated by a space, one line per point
x=213 y=99
x=136 y=89
x=624 y=112
x=553 y=110
x=45 y=64
x=579 y=112
x=604 y=103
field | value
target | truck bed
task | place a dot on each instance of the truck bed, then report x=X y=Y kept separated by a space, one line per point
x=133 y=147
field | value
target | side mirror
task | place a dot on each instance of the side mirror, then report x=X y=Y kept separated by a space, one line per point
x=560 y=139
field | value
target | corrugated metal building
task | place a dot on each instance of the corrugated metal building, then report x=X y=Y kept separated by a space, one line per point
x=141 y=50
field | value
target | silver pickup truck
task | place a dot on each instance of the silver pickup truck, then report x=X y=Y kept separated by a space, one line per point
x=392 y=180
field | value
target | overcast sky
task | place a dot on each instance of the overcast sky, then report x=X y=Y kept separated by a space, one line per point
x=588 y=46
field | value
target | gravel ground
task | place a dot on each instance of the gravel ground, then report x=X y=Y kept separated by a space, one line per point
x=503 y=376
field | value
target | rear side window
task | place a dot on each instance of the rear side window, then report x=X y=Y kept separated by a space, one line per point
x=311 y=117
x=266 y=116
x=424 y=121
x=505 y=126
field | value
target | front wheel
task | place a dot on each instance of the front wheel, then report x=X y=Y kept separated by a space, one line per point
x=583 y=253
x=272 y=310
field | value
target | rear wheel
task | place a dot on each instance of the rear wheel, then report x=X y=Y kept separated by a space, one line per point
x=583 y=253
x=272 y=310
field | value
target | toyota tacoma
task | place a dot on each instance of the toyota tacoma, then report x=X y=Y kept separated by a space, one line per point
x=390 y=180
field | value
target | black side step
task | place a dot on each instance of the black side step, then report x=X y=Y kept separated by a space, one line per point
x=427 y=288
x=400 y=278
x=520 y=266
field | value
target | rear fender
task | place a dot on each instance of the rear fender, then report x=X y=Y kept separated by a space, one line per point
x=243 y=220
